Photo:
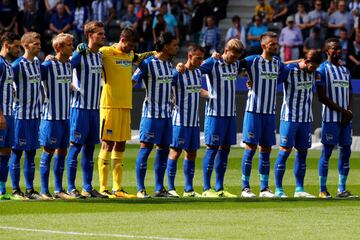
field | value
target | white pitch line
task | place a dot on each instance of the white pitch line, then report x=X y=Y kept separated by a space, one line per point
x=87 y=234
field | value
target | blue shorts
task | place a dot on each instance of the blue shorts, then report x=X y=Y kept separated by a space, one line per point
x=7 y=134
x=187 y=138
x=259 y=129
x=334 y=133
x=220 y=131
x=26 y=134
x=55 y=134
x=84 y=126
x=156 y=130
x=296 y=134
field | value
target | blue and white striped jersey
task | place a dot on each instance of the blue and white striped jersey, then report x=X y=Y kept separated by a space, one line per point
x=221 y=85
x=186 y=89
x=298 y=94
x=156 y=75
x=87 y=78
x=56 y=80
x=27 y=81
x=264 y=75
x=6 y=86
x=337 y=81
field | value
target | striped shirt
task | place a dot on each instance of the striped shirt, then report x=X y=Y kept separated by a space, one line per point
x=56 y=80
x=87 y=79
x=298 y=94
x=6 y=86
x=27 y=82
x=337 y=81
x=156 y=75
x=100 y=9
x=264 y=75
x=186 y=89
x=221 y=85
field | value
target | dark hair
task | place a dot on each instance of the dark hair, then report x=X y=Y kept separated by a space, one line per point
x=316 y=30
x=164 y=3
x=235 y=18
x=343 y=29
x=314 y=56
x=130 y=34
x=331 y=40
x=195 y=47
x=164 y=39
x=268 y=35
x=9 y=37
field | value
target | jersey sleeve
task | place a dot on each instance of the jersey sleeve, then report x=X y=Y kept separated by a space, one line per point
x=207 y=66
x=283 y=72
x=140 y=72
x=44 y=71
x=2 y=69
x=16 y=69
x=75 y=59
x=320 y=76
x=139 y=57
x=175 y=77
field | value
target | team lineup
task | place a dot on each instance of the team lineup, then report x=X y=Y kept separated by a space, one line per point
x=74 y=99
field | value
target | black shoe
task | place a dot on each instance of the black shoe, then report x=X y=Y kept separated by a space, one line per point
x=346 y=194
x=92 y=194
x=163 y=193
x=32 y=194
x=76 y=194
x=46 y=196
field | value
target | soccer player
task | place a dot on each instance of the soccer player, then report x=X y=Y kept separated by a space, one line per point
x=56 y=78
x=296 y=118
x=84 y=111
x=115 y=109
x=335 y=93
x=10 y=49
x=155 y=127
x=27 y=101
x=186 y=131
x=260 y=120
x=220 y=115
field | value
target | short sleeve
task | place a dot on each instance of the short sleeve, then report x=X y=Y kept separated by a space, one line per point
x=207 y=66
x=44 y=71
x=320 y=76
x=284 y=73
x=140 y=72
x=175 y=78
x=75 y=59
x=16 y=69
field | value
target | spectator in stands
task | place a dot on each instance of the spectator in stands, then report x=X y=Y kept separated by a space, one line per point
x=129 y=19
x=171 y=22
x=159 y=28
x=280 y=11
x=8 y=13
x=344 y=44
x=236 y=31
x=301 y=20
x=318 y=18
x=60 y=21
x=81 y=15
x=332 y=7
x=341 y=18
x=264 y=10
x=354 y=8
x=139 y=9
x=51 y=5
x=354 y=56
x=153 y=6
x=254 y=34
x=210 y=36
x=201 y=10
x=182 y=12
x=290 y=40
x=103 y=11
x=32 y=20
x=315 y=41
x=144 y=28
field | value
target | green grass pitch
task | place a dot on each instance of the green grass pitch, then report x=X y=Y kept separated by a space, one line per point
x=192 y=218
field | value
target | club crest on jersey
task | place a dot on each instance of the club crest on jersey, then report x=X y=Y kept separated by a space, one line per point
x=284 y=139
x=22 y=142
x=251 y=135
x=329 y=137
x=215 y=138
x=150 y=135
x=53 y=140
x=181 y=141
x=77 y=135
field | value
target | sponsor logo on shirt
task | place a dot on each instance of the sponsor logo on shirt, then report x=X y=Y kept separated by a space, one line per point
x=165 y=79
x=268 y=75
x=229 y=76
x=341 y=83
x=193 y=88
x=124 y=63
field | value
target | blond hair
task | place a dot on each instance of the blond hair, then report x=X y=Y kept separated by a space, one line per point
x=29 y=37
x=60 y=39
x=234 y=45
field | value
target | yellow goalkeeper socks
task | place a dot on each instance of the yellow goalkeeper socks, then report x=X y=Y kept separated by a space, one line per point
x=104 y=169
x=117 y=158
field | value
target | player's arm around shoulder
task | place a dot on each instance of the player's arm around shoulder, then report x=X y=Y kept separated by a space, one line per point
x=139 y=57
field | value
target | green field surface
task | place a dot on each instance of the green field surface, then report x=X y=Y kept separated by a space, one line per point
x=192 y=218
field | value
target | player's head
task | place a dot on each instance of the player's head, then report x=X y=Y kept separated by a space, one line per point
x=196 y=55
x=313 y=59
x=333 y=49
x=167 y=43
x=269 y=43
x=10 y=43
x=128 y=40
x=233 y=50
x=63 y=44
x=31 y=43
x=95 y=33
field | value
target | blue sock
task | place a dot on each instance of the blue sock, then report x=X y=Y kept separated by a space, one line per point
x=220 y=166
x=29 y=168
x=189 y=171
x=279 y=168
x=45 y=171
x=87 y=166
x=343 y=166
x=160 y=163
x=4 y=170
x=246 y=167
x=208 y=166
x=264 y=169
x=14 y=168
x=71 y=165
x=324 y=166
x=171 y=173
x=58 y=168
x=141 y=166
x=300 y=170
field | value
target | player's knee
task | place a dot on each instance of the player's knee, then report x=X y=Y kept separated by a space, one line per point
x=190 y=155
x=146 y=145
x=49 y=150
x=5 y=151
x=265 y=149
x=174 y=153
x=119 y=146
x=251 y=147
x=107 y=146
x=61 y=151
x=285 y=149
x=162 y=147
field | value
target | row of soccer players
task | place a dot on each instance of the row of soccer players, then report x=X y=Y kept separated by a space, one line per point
x=158 y=124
